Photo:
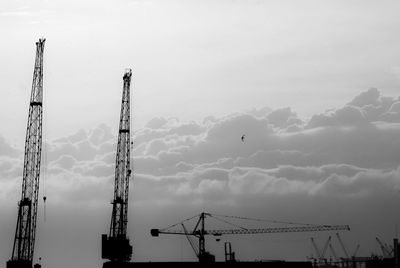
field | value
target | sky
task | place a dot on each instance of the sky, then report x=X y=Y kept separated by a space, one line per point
x=313 y=85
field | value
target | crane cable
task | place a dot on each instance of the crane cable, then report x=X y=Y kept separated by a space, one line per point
x=44 y=150
x=44 y=181
x=179 y=223
x=264 y=220
x=221 y=220
x=131 y=164
x=216 y=217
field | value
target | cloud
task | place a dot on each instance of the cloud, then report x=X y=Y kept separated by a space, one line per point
x=7 y=150
x=340 y=166
x=369 y=97
x=392 y=114
x=337 y=137
x=283 y=118
x=100 y=135
x=65 y=162
x=363 y=184
x=261 y=112
x=210 y=185
x=369 y=106
x=10 y=168
x=156 y=123
x=346 y=116
x=11 y=160
x=342 y=142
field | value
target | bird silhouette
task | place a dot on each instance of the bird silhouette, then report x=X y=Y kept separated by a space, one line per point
x=243 y=137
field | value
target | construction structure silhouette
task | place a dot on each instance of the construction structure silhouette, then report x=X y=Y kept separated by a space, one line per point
x=116 y=246
x=200 y=232
x=24 y=241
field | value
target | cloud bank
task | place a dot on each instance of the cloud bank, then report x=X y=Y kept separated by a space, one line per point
x=344 y=160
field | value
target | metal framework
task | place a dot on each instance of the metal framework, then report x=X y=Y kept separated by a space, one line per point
x=24 y=241
x=116 y=247
x=321 y=253
x=200 y=232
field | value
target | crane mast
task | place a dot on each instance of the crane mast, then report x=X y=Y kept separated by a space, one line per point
x=24 y=241
x=116 y=246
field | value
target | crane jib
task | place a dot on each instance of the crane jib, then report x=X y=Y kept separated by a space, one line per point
x=156 y=232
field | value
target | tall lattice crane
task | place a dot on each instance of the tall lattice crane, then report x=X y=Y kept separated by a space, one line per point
x=116 y=246
x=24 y=241
x=200 y=232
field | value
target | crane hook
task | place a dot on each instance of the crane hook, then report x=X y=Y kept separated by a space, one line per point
x=44 y=210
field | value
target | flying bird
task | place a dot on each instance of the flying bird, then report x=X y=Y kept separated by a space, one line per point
x=243 y=137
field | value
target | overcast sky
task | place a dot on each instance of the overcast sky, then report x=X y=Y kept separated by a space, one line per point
x=313 y=85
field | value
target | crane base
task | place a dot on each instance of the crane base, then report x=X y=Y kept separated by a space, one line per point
x=277 y=264
x=116 y=248
x=21 y=264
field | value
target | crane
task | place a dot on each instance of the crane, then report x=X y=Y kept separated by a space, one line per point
x=385 y=250
x=317 y=251
x=116 y=246
x=356 y=250
x=229 y=254
x=321 y=254
x=333 y=252
x=200 y=232
x=191 y=242
x=342 y=246
x=347 y=256
x=24 y=240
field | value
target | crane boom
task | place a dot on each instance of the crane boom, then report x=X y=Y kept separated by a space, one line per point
x=116 y=246
x=24 y=241
x=315 y=228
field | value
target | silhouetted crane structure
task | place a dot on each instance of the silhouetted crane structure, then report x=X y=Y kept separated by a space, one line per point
x=24 y=241
x=200 y=232
x=386 y=251
x=229 y=254
x=347 y=256
x=335 y=256
x=321 y=253
x=116 y=246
